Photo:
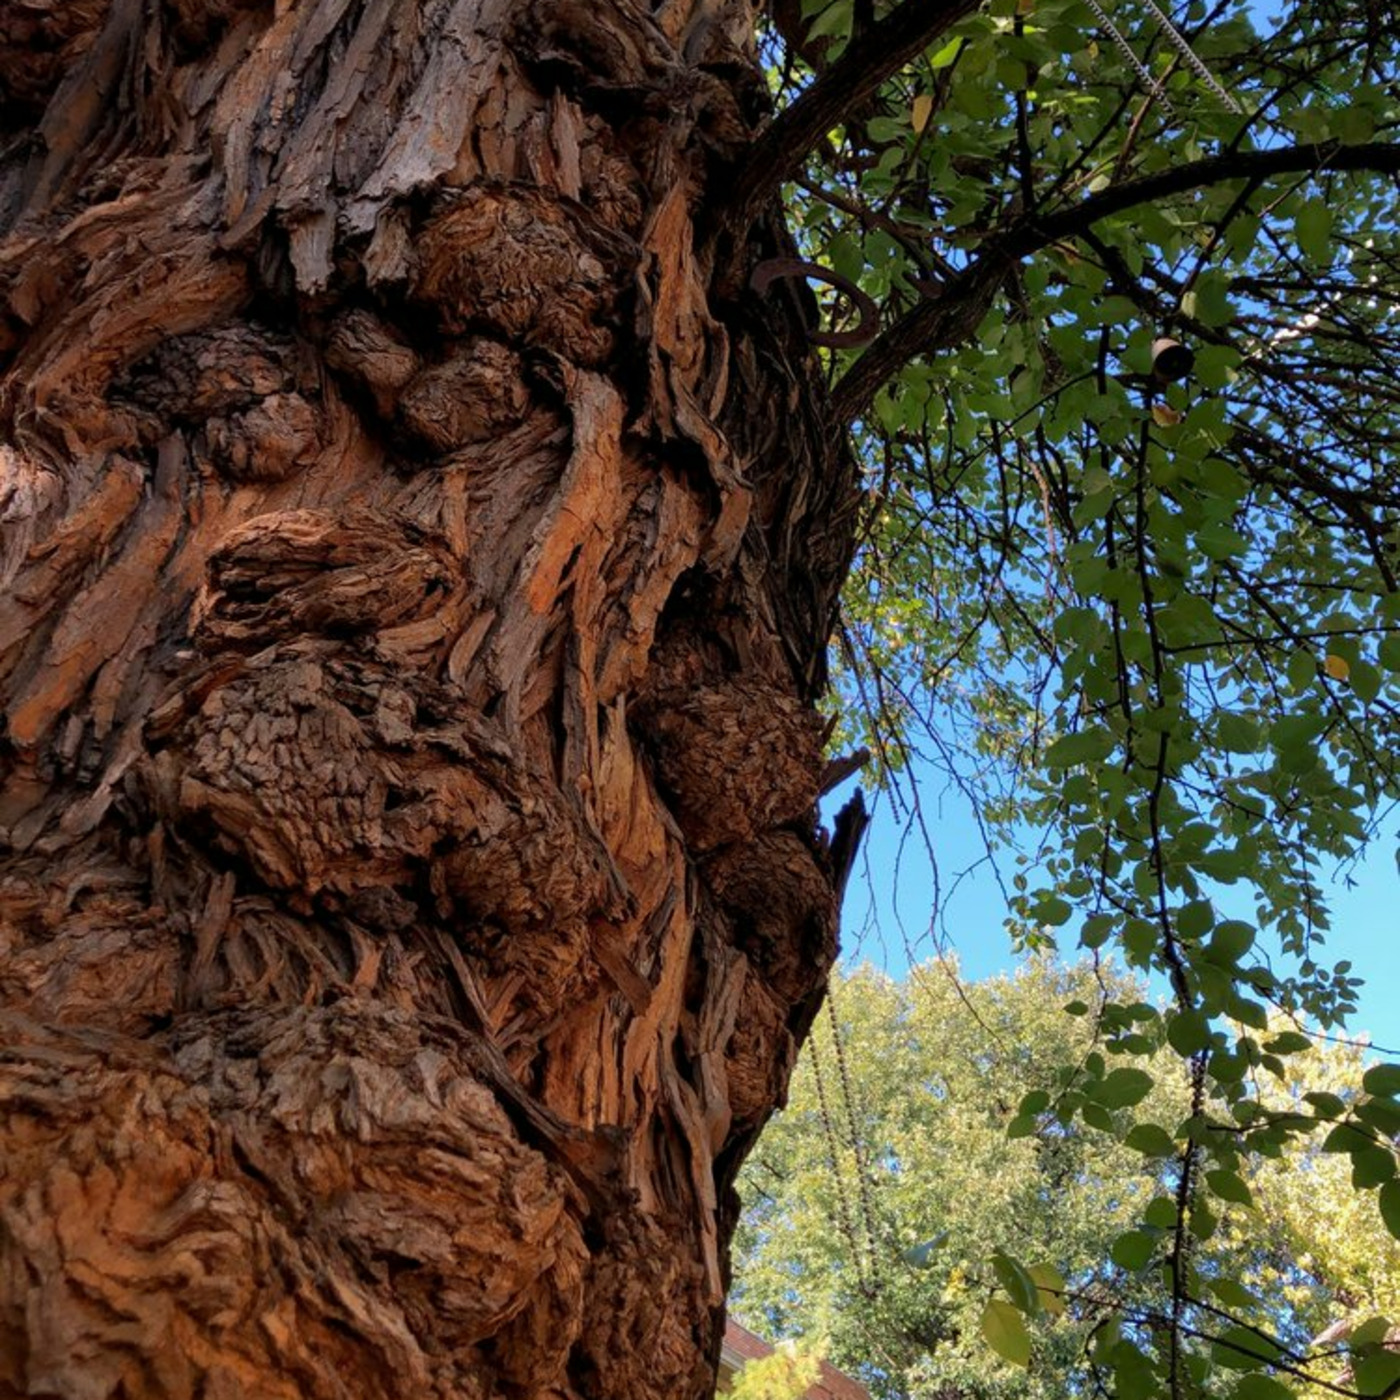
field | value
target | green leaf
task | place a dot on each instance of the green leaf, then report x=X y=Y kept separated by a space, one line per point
x=1188 y=1032
x=1195 y=919
x=1288 y=1043
x=1122 y=1088
x=1297 y=731
x=1230 y=941
x=1233 y=1293
x=1161 y=1213
x=1151 y=1140
x=1382 y=1079
x=1229 y=1187
x=1381 y=1114
x=921 y=1255
x=1004 y=1331
x=1327 y=1105
x=1248 y=1013
x=1368 y=1333
x=1302 y=670
x=1212 y=305
x=1097 y=930
x=1097 y=1116
x=1090 y=745
x=944 y=57
x=1135 y=1378
x=1052 y=1288
x=1133 y=1250
x=1313 y=224
x=1371 y=1166
x=1255 y=1385
x=1243 y=1349
x=1052 y=911
x=1389 y=1202
x=1346 y=1138
x=1365 y=681
x=1377 y=1372
x=1238 y=734
x=834 y=18
x=1019 y=1285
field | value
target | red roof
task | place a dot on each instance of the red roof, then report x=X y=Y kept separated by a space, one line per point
x=831 y=1384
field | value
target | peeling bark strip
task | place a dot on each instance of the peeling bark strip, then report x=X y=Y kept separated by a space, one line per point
x=415 y=585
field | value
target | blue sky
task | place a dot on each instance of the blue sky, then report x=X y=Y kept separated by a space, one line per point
x=891 y=900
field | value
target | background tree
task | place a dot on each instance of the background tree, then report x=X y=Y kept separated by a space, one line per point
x=883 y=1205
x=786 y=1373
x=424 y=514
x=877 y=1227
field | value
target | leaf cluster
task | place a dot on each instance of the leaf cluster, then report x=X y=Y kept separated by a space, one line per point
x=988 y=1171
x=1146 y=618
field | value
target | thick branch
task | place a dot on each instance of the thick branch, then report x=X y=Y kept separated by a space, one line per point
x=868 y=60
x=1377 y=156
x=953 y=314
x=937 y=323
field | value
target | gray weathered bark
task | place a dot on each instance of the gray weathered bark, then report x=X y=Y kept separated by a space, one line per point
x=416 y=577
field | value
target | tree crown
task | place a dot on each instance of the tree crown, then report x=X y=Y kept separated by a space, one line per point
x=1108 y=303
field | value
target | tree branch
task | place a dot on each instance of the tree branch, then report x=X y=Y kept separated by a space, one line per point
x=1377 y=156
x=869 y=59
x=938 y=322
x=950 y=316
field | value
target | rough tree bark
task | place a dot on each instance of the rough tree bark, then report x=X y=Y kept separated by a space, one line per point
x=417 y=565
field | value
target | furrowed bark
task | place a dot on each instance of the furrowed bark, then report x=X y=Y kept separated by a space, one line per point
x=416 y=584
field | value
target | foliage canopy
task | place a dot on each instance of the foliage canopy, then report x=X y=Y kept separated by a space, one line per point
x=1109 y=305
x=890 y=1218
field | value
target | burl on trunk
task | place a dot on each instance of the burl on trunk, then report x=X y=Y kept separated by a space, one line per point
x=418 y=556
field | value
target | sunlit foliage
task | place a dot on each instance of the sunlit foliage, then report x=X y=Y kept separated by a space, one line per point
x=892 y=1210
x=1125 y=393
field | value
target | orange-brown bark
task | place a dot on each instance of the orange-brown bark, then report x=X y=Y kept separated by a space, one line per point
x=415 y=582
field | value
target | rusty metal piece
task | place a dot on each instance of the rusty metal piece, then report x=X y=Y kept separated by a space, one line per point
x=774 y=269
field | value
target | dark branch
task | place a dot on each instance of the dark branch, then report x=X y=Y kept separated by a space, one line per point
x=869 y=59
x=939 y=322
x=951 y=315
x=1377 y=156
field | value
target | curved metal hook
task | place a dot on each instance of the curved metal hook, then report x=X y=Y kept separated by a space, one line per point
x=774 y=269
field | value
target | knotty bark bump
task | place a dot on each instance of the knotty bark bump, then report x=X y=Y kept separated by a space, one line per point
x=415 y=583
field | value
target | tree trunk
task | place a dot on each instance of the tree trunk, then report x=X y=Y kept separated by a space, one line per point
x=417 y=566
